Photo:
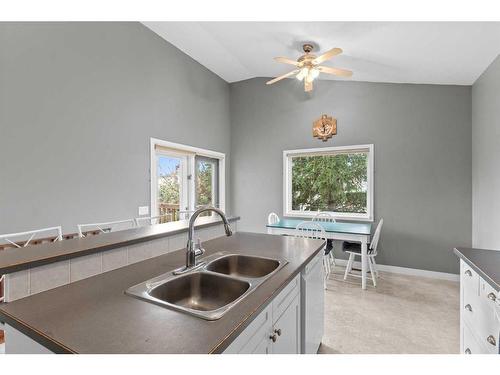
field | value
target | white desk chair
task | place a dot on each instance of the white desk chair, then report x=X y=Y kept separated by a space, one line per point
x=354 y=249
x=152 y=220
x=325 y=217
x=310 y=229
x=23 y=239
x=110 y=226
x=273 y=218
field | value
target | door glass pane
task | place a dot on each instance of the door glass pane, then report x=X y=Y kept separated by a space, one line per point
x=169 y=174
x=206 y=183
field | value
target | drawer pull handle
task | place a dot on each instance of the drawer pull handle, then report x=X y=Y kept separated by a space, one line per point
x=468 y=273
x=278 y=331
x=468 y=307
x=467 y=351
x=492 y=296
x=491 y=340
x=273 y=337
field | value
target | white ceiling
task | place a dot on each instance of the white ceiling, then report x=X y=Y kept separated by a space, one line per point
x=407 y=52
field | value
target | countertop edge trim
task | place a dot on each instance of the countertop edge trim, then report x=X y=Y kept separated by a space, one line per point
x=476 y=268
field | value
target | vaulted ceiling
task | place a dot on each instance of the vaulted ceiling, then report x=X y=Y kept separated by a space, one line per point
x=405 y=52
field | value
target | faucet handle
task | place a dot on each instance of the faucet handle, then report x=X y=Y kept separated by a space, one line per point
x=198 y=250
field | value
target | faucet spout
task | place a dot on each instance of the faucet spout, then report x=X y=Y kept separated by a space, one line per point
x=192 y=251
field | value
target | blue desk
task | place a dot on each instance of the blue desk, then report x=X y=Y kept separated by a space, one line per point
x=352 y=232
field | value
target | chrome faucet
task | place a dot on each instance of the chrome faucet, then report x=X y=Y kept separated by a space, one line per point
x=194 y=250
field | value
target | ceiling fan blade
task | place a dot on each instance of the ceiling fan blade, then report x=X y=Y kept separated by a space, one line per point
x=286 y=60
x=335 y=71
x=327 y=55
x=274 y=80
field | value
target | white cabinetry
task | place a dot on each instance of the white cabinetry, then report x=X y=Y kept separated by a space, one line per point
x=276 y=329
x=479 y=324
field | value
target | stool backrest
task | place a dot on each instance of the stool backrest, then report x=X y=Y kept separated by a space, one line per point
x=310 y=229
x=23 y=239
x=109 y=226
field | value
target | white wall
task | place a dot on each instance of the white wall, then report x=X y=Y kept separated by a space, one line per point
x=79 y=102
x=486 y=158
x=422 y=144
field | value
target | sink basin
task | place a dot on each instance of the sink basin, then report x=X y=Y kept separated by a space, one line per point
x=243 y=266
x=210 y=290
x=200 y=291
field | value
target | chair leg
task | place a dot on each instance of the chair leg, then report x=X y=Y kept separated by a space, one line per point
x=325 y=269
x=332 y=258
x=375 y=266
x=328 y=266
x=372 y=273
x=349 y=266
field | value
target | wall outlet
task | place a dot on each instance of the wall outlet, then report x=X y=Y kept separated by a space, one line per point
x=143 y=210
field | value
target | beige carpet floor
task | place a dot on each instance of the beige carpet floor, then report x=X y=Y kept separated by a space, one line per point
x=404 y=314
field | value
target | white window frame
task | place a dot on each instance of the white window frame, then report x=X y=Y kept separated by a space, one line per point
x=287 y=183
x=191 y=168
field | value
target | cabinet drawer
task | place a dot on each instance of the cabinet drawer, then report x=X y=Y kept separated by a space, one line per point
x=285 y=297
x=486 y=327
x=469 y=281
x=488 y=295
x=471 y=346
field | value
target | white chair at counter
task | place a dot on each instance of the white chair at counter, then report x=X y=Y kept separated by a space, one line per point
x=24 y=239
x=354 y=249
x=325 y=217
x=273 y=218
x=152 y=220
x=105 y=227
x=310 y=229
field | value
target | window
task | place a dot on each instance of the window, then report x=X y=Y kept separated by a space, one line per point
x=338 y=180
x=207 y=191
x=184 y=178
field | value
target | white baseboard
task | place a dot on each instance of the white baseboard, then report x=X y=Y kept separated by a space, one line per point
x=407 y=271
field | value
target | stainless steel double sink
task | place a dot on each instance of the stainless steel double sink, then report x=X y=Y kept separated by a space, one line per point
x=218 y=283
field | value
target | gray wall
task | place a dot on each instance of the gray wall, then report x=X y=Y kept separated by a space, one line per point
x=486 y=158
x=78 y=105
x=422 y=138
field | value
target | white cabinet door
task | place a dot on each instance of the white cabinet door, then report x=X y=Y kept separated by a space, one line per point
x=287 y=330
x=256 y=337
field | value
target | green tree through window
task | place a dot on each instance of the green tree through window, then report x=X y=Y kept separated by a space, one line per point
x=336 y=183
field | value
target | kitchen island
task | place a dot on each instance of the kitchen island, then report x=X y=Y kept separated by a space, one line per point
x=479 y=300
x=95 y=315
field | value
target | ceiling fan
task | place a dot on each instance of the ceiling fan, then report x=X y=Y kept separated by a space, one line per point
x=308 y=67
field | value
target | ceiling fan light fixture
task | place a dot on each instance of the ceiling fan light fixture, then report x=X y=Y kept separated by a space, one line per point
x=304 y=72
x=308 y=67
x=314 y=73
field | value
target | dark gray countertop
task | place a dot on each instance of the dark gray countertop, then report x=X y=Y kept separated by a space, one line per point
x=12 y=260
x=485 y=262
x=95 y=316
